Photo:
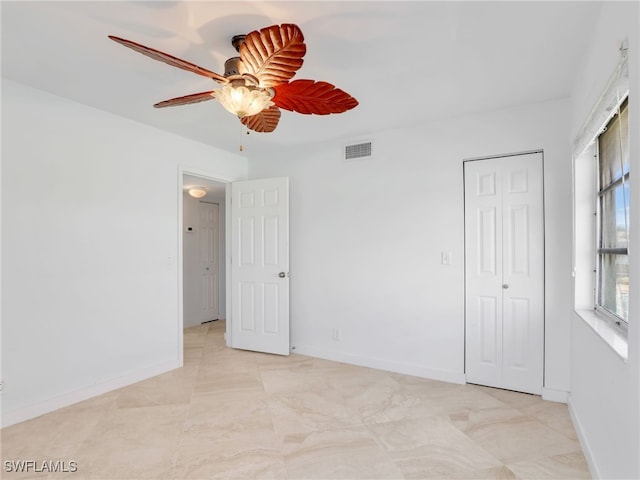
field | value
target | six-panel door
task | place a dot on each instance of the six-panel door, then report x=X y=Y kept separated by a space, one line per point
x=260 y=265
x=504 y=271
x=209 y=267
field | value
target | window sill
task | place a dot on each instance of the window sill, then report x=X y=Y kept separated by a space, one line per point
x=612 y=336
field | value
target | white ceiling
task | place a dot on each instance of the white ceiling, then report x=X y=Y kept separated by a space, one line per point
x=405 y=62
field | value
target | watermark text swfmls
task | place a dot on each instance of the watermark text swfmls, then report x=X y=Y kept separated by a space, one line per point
x=44 y=466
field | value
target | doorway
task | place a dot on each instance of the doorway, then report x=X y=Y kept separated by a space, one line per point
x=255 y=232
x=203 y=250
x=504 y=272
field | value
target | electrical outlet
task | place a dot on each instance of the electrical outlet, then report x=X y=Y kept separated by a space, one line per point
x=446 y=258
x=336 y=334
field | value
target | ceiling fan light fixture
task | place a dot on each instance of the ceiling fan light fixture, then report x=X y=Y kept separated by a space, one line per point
x=256 y=83
x=244 y=100
x=198 y=192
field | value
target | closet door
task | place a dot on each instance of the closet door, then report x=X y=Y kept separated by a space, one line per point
x=504 y=271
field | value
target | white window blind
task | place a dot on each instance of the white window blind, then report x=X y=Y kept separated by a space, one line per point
x=616 y=89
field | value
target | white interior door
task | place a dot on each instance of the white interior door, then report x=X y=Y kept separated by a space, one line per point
x=260 y=265
x=209 y=268
x=504 y=271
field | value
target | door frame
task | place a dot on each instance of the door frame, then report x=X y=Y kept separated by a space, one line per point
x=544 y=256
x=208 y=175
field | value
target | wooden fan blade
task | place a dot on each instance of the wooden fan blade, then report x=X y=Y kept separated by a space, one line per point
x=265 y=121
x=273 y=54
x=312 y=97
x=169 y=59
x=187 y=99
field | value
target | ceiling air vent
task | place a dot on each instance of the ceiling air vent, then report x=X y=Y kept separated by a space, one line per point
x=358 y=151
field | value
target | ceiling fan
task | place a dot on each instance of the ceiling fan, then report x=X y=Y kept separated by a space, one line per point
x=255 y=85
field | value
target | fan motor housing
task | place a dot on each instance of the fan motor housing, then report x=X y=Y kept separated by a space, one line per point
x=231 y=66
x=237 y=40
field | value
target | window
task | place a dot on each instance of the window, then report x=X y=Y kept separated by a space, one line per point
x=601 y=213
x=612 y=255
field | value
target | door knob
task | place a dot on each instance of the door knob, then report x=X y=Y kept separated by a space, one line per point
x=282 y=274
x=505 y=285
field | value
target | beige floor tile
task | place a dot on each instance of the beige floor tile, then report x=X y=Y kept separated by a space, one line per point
x=568 y=466
x=383 y=403
x=214 y=352
x=284 y=381
x=228 y=360
x=236 y=414
x=254 y=464
x=23 y=473
x=497 y=473
x=508 y=397
x=195 y=336
x=471 y=420
x=431 y=448
x=215 y=342
x=218 y=378
x=520 y=438
x=378 y=397
x=350 y=379
x=192 y=356
x=310 y=411
x=246 y=447
x=553 y=415
x=175 y=387
x=217 y=409
x=133 y=443
x=427 y=468
x=295 y=362
x=426 y=386
x=337 y=454
x=56 y=436
x=230 y=438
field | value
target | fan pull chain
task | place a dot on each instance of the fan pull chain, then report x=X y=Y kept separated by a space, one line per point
x=247 y=132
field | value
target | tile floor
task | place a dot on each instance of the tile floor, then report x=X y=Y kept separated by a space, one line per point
x=233 y=414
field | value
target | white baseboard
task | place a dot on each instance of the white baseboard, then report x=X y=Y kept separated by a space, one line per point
x=584 y=443
x=46 y=406
x=552 y=395
x=381 y=364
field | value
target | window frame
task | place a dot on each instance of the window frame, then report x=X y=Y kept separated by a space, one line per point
x=600 y=251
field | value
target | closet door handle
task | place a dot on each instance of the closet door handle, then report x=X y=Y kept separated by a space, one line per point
x=505 y=285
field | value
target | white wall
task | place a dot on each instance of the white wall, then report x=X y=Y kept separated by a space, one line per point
x=605 y=389
x=89 y=248
x=367 y=236
x=192 y=266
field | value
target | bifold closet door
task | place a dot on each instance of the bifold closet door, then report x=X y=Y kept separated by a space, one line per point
x=504 y=272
